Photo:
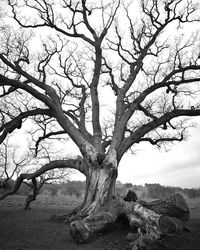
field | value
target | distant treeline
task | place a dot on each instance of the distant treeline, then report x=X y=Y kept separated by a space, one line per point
x=71 y=188
x=77 y=188
x=157 y=191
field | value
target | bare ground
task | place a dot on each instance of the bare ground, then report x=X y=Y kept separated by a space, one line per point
x=32 y=230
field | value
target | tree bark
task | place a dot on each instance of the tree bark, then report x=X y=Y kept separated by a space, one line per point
x=100 y=187
x=32 y=197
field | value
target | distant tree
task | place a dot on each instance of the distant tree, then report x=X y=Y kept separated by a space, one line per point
x=50 y=180
x=71 y=189
x=12 y=162
x=128 y=185
x=76 y=188
x=53 y=189
x=192 y=193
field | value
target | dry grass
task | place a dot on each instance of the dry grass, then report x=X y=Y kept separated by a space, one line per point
x=31 y=230
x=194 y=205
x=43 y=201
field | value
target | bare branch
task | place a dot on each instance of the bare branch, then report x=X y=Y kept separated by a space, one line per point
x=47 y=136
x=16 y=122
x=161 y=140
x=138 y=135
x=58 y=164
x=154 y=78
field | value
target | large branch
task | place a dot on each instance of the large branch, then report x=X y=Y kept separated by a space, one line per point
x=16 y=122
x=166 y=82
x=20 y=71
x=94 y=96
x=143 y=40
x=85 y=18
x=80 y=119
x=137 y=63
x=136 y=104
x=45 y=136
x=53 y=103
x=49 y=91
x=79 y=18
x=77 y=164
x=5 y=81
x=137 y=135
x=135 y=67
x=96 y=75
x=56 y=111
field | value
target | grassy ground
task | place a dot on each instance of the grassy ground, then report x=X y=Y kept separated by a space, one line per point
x=31 y=230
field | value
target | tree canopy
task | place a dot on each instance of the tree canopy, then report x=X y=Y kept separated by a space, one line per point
x=106 y=74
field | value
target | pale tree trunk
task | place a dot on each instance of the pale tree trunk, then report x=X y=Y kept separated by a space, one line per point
x=100 y=186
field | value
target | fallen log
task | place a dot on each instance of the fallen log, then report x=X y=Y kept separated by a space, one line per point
x=152 y=219
x=174 y=206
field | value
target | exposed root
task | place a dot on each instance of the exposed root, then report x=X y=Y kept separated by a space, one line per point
x=151 y=225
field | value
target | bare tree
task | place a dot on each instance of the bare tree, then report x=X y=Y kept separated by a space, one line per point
x=51 y=177
x=12 y=162
x=150 y=70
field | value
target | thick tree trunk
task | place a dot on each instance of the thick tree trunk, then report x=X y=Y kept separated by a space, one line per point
x=100 y=208
x=82 y=230
x=100 y=188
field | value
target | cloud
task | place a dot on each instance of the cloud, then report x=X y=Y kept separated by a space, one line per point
x=183 y=161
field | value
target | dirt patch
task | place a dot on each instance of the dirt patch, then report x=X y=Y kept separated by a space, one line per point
x=31 y=230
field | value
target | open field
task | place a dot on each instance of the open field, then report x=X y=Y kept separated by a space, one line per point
x=194 y=205
x=31 y=230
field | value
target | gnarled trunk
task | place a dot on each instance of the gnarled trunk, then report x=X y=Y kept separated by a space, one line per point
x=100 y=209
x=165 y=217
x=100 y=187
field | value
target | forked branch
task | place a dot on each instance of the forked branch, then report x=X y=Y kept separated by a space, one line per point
x=77 y=164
